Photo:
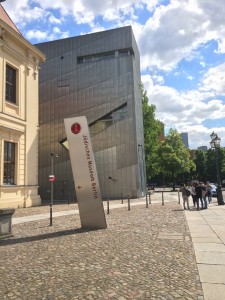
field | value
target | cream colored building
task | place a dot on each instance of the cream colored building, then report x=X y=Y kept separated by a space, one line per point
x=19 y=62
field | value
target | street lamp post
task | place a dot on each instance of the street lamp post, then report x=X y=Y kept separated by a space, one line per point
x=215 y=144
x=52 y=180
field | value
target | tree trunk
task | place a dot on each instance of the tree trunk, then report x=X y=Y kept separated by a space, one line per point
x=173 y=183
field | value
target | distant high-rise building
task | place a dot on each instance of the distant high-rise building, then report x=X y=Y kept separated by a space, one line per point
x=203 y=148
x=184 y=137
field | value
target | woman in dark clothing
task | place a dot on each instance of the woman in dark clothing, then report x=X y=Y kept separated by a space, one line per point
x=193 y=193
x=198 y=191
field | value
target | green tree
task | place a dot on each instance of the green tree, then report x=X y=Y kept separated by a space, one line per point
x=172 y=158
x=222 y=163
x=200 y=162
x=211 y=172
x=152 y=129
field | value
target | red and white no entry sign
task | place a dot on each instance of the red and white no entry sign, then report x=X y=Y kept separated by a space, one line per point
x=51 y=178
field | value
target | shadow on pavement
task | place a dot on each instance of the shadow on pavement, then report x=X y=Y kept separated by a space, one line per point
x=57 y=202
x=11 y=241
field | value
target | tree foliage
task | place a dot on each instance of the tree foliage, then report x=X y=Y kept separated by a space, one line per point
x=172 y=158
x=200 y=162
x=206 y=164
x=152 y=129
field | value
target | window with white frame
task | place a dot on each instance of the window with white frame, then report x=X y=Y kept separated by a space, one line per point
x=10 y=84
x=9 y=162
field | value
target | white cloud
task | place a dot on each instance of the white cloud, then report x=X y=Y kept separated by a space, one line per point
x=147 y=82
x=150 y=5
x=199 y=135
x=214 y=11
x=21 y=13
x=169 y=36
x=214 y=80
x=56 y=30
x=158 y=79
x=54 y=20
x=185 y=111
x=202 y=63
x=43 y=35
x=85 y=11
x=64 y=34
x=174 y=33
x=37 y=34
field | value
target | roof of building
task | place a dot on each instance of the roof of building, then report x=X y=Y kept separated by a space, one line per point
x=6 y=18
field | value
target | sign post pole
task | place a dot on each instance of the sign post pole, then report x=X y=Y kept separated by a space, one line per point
x=52 y=180
x=52 y=187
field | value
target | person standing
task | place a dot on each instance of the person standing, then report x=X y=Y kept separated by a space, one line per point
x=204 y=194
x=198 y=191
x=185 y=195
x=193 y=193
x=209 y=194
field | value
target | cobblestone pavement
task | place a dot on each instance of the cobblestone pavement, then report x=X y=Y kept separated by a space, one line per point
x=145 y=253
x=22 y=212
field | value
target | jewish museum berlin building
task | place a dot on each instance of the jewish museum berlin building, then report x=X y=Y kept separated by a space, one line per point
x=98 y=76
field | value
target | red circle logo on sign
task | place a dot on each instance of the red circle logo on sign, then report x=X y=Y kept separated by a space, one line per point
x=76 y=128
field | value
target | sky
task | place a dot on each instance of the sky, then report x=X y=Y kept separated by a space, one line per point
x=181 y=45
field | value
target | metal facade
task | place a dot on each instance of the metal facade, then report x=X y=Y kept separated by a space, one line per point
x=97 y=76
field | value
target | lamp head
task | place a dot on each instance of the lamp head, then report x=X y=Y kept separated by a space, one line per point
x=213 y=136
x=217 y=141
x=212 y=144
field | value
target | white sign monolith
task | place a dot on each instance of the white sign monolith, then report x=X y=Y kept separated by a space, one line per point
x=85 y=176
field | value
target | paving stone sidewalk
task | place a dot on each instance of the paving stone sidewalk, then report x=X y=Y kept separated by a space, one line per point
x=145 y=253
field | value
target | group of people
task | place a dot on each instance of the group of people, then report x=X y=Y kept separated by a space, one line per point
x=200 y=193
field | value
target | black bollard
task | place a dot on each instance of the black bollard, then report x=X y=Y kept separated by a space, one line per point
x=128 y=202
x=51 y=214
x=150 y=200
x=68 y=199
x=162 y=199
x=108 y=205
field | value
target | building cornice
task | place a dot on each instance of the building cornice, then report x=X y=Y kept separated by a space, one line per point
x=15 y=120
x=16 y=129
x=6 y=30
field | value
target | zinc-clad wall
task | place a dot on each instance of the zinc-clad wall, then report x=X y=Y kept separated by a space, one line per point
x=92 y=89
x=141 y=167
